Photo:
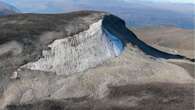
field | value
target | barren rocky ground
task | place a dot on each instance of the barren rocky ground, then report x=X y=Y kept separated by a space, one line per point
x=170 y=38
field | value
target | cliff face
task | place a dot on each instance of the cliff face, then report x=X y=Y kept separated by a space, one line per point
x=31 y=35
x=73 y=44
x=79 y=52
x=75 y=55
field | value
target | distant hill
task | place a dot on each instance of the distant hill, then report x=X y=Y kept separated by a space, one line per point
x=136 y=13
x=142 y=14
x=170 y=38
x=6 y=9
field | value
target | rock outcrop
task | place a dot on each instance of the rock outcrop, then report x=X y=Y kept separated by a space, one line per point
x=75 y=55
x=79 y=52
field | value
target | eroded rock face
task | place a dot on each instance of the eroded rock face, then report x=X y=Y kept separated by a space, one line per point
x=25 y=37
x=77 y=53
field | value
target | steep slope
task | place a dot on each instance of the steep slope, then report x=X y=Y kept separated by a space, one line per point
x=76 y=55
x=117 y=28
x=78 y=52
x=6 y=9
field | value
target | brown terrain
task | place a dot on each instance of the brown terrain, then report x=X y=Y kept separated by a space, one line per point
x=174 y=40
x=169 y=38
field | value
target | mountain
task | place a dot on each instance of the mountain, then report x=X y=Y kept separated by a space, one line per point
x=139 y=13
x=86 y=60
x=6 y=9
x=144 y=13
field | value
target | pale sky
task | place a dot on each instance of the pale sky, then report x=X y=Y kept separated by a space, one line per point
x=176 y=1
x=57 y=5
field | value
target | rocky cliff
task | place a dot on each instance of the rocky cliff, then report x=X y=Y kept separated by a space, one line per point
x=75 y=55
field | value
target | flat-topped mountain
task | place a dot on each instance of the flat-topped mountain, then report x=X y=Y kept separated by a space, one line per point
x=76 y=55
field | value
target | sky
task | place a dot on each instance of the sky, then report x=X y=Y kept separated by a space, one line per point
x=44 y=6
x=173 y=1
x=177 y=1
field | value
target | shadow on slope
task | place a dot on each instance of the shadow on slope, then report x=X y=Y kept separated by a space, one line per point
x=117 y=27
